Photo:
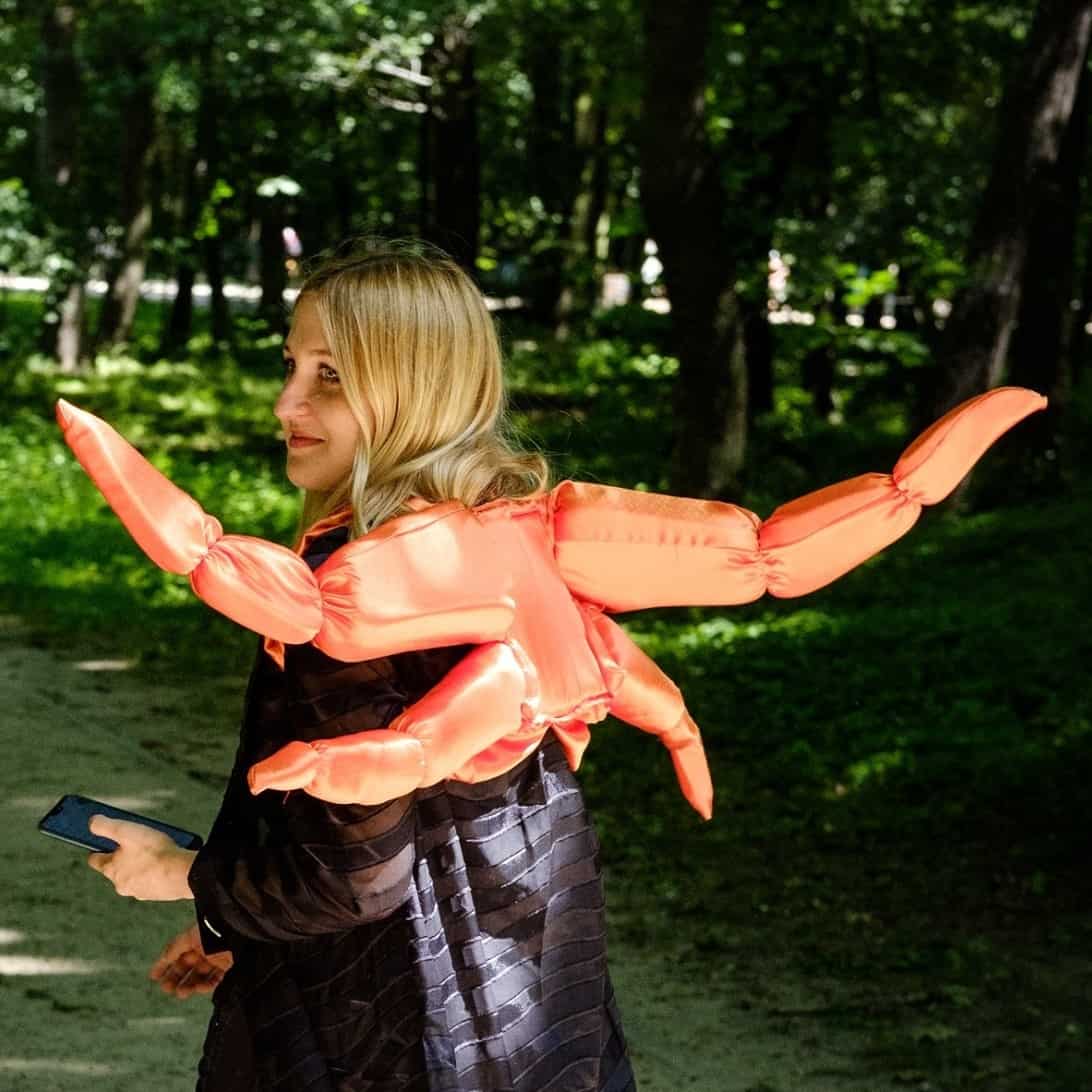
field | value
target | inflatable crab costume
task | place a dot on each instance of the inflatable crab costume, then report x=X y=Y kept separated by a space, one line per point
x=532 y=583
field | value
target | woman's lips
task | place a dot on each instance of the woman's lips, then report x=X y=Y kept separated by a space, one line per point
x=302 y=441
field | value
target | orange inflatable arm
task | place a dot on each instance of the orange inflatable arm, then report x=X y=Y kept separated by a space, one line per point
x=527 y=581
x=383 y=594
x=629 y=550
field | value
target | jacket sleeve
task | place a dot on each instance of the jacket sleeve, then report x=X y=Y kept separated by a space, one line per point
x=327 y=867
x=316 y=867
x=345 y=864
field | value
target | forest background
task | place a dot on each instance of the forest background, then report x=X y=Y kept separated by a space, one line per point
x=735 y=250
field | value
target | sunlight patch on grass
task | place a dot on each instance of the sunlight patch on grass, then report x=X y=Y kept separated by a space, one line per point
x=720 y=632
x=58 y=1065
x=32 y=803
x=151 y=1023
x=22 y=965
x=144 y=802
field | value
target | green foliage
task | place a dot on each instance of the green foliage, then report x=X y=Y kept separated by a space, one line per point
x=860 y=287
x=210 y=429
x=20 y=249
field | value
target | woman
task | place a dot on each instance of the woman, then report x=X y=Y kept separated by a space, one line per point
x=451 y=939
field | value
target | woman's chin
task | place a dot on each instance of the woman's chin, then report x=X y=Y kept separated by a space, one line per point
x=300 y=481
x=313 y=483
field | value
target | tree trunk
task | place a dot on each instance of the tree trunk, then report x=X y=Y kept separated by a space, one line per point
x=426 y=173
x=199 y=237
x=1040 y=347
x=341 y=182
x=71 y=329
x=451 y=204
x=1035 y=110
x=220 y=324
x=550 y=148
x=179 y=325
x=1040 y=343
x=212 y=239
x=580 y=271
x=271 y=270
x=127 y=275
x=625 y=252
x=1080 y=341
x=62 y=333
x=195 y=188
x=818 y=376
x=596 y=242
x=684 y=206
x=759 y=349
x=797 y=147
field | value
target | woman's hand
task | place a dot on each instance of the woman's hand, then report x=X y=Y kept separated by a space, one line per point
x=147 y=865
x=183 y=968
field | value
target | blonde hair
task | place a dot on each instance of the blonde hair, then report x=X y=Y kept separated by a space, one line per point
x=417 y=354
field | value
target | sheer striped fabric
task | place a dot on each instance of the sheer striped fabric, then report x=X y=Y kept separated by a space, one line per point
x=449 y=941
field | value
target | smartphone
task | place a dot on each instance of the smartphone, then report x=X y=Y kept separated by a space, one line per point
x=68 y=820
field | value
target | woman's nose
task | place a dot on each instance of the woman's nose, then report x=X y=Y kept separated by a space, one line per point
x=294 y=396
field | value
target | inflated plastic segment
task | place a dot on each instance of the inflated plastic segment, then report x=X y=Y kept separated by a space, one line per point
x=476 y=703
x=528 y=581
x=630 y=550
x=271 y=590
x=261 y=585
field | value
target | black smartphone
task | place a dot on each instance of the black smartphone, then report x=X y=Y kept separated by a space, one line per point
x=68 y=820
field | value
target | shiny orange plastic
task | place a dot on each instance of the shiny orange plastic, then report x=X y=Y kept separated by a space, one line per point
x=530 y=582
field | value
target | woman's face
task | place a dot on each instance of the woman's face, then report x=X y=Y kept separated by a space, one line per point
x=320 y=429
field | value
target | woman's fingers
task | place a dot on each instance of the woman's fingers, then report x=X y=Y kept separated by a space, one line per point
x=183 y=968
x=184 y=942
x=98 y=861
x=184 y=978
x=197 y=980
x=180 y=985
x=164 y=963
x=180 y=977
x=171 y=975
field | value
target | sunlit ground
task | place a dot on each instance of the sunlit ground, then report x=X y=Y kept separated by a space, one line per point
x=24 y=965
x=57 y=1065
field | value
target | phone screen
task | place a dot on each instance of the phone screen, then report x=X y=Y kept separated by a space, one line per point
x=68 y=820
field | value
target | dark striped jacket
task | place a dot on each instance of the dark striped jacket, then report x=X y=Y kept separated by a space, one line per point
x=448 y=941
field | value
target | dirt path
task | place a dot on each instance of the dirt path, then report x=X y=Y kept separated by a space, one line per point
x=76 y=1008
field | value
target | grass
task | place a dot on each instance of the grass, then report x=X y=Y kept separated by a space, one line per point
x=901 y=759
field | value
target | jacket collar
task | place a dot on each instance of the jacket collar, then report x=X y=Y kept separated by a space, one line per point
x=339 y=517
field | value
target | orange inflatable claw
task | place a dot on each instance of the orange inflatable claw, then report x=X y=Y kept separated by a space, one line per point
x=528 y=582
x=258 y=584
x=369 y=768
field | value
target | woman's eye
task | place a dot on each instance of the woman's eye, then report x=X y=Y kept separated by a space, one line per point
x=326 y=373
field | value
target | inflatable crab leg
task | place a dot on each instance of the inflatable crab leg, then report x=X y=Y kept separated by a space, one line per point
x=628 y=550
x=259 y=584
x=483 y=698
x=391 y=593
x=642 y=695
